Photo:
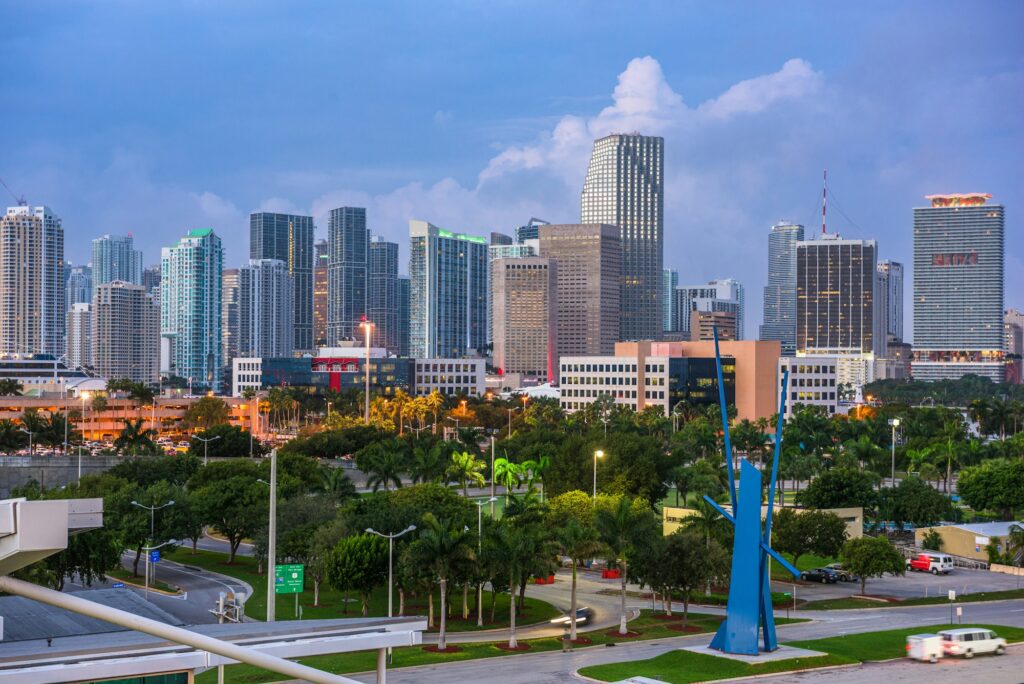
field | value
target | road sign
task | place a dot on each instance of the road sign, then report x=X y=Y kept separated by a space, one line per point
x=288 y=579
x=154 y=556
x=118 y=585
x=952 y=595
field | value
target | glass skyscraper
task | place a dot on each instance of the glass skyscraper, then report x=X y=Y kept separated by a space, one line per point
x=780 y=292
x=448 y=275
x=404 y=295
x=114 y=257
x=348 y=245
x=190 y=309
x=669 y=283
x=624 y=187
x=382 y=294
x=78 y=287
x=959 y=244
x=265 y=301
x=289 y=238
x=891 y=276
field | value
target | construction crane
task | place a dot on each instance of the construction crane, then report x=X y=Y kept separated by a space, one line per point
x=20 y=200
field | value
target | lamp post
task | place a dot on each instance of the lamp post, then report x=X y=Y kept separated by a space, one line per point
x=206 y=445
x=493 y=498
x=895 y=423
x=391 y=552
x=29 y=433
x=479 y=550
x=367 y=326
x=597 y=454
x=85 y=397
x=152 y=527
x=456 y=421
x=510 y=412
x=272 y=539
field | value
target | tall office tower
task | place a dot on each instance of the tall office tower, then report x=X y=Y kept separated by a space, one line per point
x=1013 y=332
x=780 y=292
x=891 y=273
x=404 y=295
x=114 y=257
x=78 y=286
x=525 y=299
x=723 y=295
x=589 y=260
x=669 y=283
x=79 y=335
x=33 y=308
x=265 y=301
x=126 y=326
x=382 y=294
x=448 y=292
x=503 y=250
x=190 y=309
x=229 y=316
x=151 y=278
x=320 y=289
x=289 y=238
x=346 y=275
x=958 y=288
x=835 y=292
x=624 y=187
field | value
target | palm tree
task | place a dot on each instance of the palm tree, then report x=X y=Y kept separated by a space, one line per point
x=442 y=547
x=134 y=439
x=509 y=474
x=466 y=468
x=622 y=529
x=11 y=436
x=534 y=471
x=10 y=388
x=32 y=422
x=433 y=403
x=383 y=466
x=520 y=547
x=863 y=449
x=338 y=484
x=578 y=542
x=1015 y=545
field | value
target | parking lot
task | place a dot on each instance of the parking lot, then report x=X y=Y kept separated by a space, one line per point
x=912 y=585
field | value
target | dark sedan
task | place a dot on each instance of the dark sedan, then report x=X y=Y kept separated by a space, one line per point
x=823 y=575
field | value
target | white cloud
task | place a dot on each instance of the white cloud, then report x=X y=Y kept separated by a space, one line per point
x=794 y=81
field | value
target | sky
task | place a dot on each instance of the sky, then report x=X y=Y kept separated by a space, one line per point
x=155 y=118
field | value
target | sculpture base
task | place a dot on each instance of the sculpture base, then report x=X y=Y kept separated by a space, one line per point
x=781 y=653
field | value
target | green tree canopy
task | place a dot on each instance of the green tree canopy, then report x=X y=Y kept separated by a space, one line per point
x=995 y=485
x=802 y=532
x=872 y=557
x=228 y=441
x=839 y=488
x=359 y=563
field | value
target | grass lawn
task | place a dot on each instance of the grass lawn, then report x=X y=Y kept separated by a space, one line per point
x=126 y=576
x=845 y=603
x=334 y=604
x=682 y=667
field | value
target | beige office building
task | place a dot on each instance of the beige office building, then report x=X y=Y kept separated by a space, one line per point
x=589 y=258
x=703 y=323
x=126 y=330
x=524 y=301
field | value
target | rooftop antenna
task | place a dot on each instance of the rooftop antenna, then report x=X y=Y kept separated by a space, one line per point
x=824 y=198
x=20 y=200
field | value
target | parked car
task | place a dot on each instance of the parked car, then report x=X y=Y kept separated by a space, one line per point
x=969 y=641
x=924 y=647
x=823 y=575
x=842 y=573
x=930 y=562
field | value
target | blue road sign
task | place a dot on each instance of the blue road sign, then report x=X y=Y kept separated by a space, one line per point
x=118 y=585
x=154 y=556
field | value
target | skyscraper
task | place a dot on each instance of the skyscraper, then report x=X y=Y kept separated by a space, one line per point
x=780 y=292
x=265 y=301
x=724 y=295
x=151 y=278
x=448 y=292
x=320 y=290
x=33 y=307
x=891 y=273
x=229 y=316
x=382 y=294
x=347 y=272
x=190 y=308
x=79 y=335
x=114 y=257
x=589 y=259
x=126 y=329
x=958 y=288
x=624 y=187
x=502 y=249
x=669 y=283
x=289 y=238
x=404 y=296
x=78 y=286
x=524 y=300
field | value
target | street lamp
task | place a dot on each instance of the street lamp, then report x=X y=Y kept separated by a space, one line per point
x=597 y=454
x=206 y=444
x=391 y=552
x=367 y=326
x=152 y=520
x=895 y=423
x=272 y=539
x=479 y=550
x=510 y=412
x=85 y=397
x=29 y=433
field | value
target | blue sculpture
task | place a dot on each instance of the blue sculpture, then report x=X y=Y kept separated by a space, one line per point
x=750 y=598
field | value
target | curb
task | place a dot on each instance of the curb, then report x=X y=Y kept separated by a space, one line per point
x=129 y=583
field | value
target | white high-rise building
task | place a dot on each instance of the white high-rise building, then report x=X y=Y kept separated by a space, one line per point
x=114 y=257
x=32 y=281
x=126 y=330
x=721 y=295
x=79 y=336
x=265 y=300
x=780 y=292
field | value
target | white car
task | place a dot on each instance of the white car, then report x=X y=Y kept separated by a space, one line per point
x=969 y=641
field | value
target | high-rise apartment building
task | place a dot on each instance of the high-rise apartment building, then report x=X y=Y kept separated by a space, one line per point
x=589 y=259
x=891 y=275
x=624 y=187
x=79 y=335
x=524 y=299
x=448 y=292
x=959 y=244
x=382 y=294
x=289 y=238
x=126 y=327
x=190 y=309
x=320 y=291
x=33 y=306
x=724 y=295
x=1013 y=332
x=404 y=296
x=229 y=317
x=349 y=242
x=265 y=300
x=780 y=292
x=669 y=283
x=531 y=231
x=78 y=286
x=503 y=249
x=114 y=257
x=151 y=278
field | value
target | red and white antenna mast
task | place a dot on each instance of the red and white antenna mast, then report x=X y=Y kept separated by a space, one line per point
x=824 y=198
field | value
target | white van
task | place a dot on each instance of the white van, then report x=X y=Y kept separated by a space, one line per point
x=969 y=641
x=924 y=647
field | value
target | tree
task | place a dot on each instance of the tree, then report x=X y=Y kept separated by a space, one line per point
x=575 y=505
x=337 y=484
x=694 y=563
x=207 y=412
x=701 y=477
x=226 y=441
x=840 y=488
x=383 y=465
x=466 y=468
x=802 y=532
x=321 y=554
x=11 y=436
x=135 y=440
x=508 y=474
x=236 y=506
x=443 y=547
x=519 y=547
x=932 y=541
x=429 y=462
x=623 y=529
x=184 y=517
x=918 y=503
x=10 y=388
x=995 y=485
x=872 y=557
x=578 y=542
x=359 y=563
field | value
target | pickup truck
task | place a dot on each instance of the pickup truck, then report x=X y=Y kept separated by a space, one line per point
x=930 y=562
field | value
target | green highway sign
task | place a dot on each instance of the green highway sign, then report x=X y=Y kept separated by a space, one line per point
x=288 y=579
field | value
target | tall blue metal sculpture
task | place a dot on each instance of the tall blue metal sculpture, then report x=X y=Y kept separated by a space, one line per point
x=749 y=609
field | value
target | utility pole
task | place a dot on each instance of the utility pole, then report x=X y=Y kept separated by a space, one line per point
x=367 y=325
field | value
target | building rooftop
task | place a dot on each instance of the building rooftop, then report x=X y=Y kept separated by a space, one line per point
x=27 y=619
x=990 y=529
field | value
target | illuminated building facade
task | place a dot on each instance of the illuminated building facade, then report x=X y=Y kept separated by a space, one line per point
x=289 y=238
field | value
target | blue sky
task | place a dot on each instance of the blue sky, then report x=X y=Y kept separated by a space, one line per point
x=154 y=118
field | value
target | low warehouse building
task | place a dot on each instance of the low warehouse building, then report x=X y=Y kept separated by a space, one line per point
x=969 y=540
